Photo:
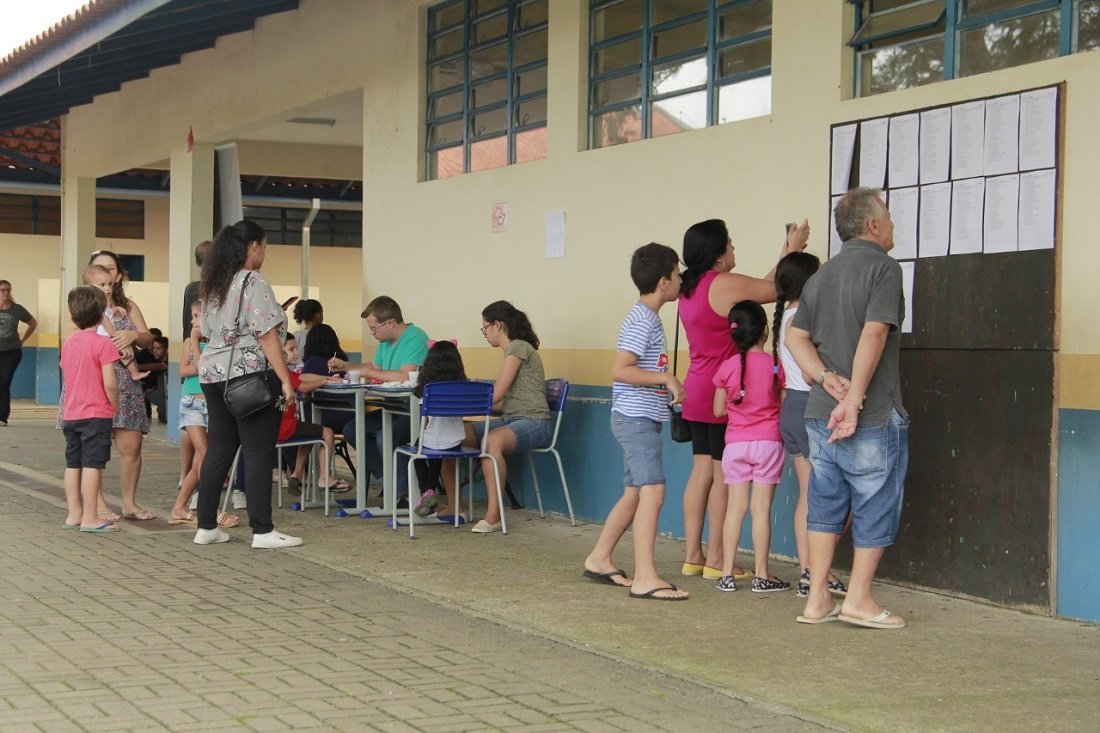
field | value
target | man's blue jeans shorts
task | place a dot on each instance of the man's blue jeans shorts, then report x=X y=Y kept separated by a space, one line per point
x=640 y=439
x=863 y=475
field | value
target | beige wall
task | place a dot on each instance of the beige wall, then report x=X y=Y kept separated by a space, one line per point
x=429 y=243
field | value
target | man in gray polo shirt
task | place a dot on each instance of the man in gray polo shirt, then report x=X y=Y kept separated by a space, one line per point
x=847 y=335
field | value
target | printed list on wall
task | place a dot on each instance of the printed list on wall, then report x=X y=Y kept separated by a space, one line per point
x=970 y=178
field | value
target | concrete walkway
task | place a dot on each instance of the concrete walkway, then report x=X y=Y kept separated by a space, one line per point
x=362 y=629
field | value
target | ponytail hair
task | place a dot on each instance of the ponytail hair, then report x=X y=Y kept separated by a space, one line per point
x=704 y=243
x=515 y=321
x=748 y=322
x=791 y=275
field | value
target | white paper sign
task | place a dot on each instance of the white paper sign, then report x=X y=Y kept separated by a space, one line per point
x=844 y=146
x=908 y=273
x=967 y=201
x=903 y=211
x=935 y=220
x=1038 y=128
x=499 y=213
x=555 y=234
x=834 y=238
x=1002 y=135
x=1036 y=228
x=968 y=140
x=903 y=152
x=935 y=145
x=872 y=152
x=1002 y=202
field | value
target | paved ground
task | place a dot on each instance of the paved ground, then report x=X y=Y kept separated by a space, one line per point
x=362 y=629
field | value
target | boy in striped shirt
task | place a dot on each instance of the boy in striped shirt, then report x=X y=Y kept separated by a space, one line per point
x=642 y=389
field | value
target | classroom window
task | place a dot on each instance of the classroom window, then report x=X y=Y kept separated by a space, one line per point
x=486 y=85
x=115 y=219
x=659 y=67
x=907 y=43
x=333 y=228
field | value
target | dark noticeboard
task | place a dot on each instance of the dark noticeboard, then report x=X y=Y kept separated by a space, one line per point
x=978 y=380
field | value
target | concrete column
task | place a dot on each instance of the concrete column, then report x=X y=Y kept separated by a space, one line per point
x=567 y=62
x=190 y=221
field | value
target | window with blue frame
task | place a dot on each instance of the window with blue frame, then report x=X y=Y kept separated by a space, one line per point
x=907 y=43
x=486 y=101
x=658 y=67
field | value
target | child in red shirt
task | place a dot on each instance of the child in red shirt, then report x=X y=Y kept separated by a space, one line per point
x=292 y=427
x=91 y=398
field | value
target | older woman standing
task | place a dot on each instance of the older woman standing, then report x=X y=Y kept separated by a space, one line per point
x=245 y=326
x=11 y=345
x=708 y=292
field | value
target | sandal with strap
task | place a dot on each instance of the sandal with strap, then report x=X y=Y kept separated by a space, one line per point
x=226 y=520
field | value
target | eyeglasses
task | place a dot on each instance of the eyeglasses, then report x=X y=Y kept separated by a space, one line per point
x=377 y=326
x=484 y=329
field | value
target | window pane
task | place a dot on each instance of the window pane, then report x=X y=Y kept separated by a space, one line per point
x=448 y=43
x=445 y=106
x=1009 y=43
x=619 y=89
x=901 y=67
x=619 y=56
x=484 y=6
x=746 y=19
x=448 y=16
x=530 y=47
x=530 y=145
x=679 y=75
x=448 y=132
x=924 y=15
x=488 y=61
x=678 y=114
x=615 y=20
x=488 y=154
x=745 y=58
x=978 y=8
x=445 y=163
x=488 y=93
x=531 y=14
x=486 y=123
x=1088 y=25
x=490 y=28
x=446 y=75
x=620 y=126
x=689 y=37
x=531 y=111
x=532 y=80
x=663 y=11
x=744 y=100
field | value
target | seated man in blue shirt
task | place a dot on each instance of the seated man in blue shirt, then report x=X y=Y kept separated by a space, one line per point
x=402 y=348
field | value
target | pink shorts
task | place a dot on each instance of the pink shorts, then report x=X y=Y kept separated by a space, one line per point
x=759 y=461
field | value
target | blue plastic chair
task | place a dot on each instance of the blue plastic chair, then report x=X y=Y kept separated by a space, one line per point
x=449 y=399
x=556 y=392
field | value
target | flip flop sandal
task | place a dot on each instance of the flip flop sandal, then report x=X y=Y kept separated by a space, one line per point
x=191 y=518
x=108 y=516
x=340 y=487
x=141 y=515
x=226 y=520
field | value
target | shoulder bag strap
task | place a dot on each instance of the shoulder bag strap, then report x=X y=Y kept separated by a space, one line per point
x=237 y=320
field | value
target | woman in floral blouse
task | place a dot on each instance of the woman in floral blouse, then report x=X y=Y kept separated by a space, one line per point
x=245 y=326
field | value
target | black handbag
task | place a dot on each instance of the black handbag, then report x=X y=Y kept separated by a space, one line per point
x=248 y=393
x=678 y=428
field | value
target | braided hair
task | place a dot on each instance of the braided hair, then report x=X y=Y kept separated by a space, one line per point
x=791 y=275
x=748 y=323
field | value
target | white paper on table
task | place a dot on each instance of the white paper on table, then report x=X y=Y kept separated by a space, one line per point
x=903 y=154
x=1002 y=135
x=834 y=238
x=1036 y=227
x=935 y=145
x=872 y=152
x=908 y=273
x=935 y=219
x=967 y=140
x=555 y=234
x=1002 y=202
x=1038 y=129
x=903 y=210
x=967 y=201
x=844 y=148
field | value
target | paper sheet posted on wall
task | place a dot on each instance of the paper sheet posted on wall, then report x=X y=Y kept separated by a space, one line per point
x=908 y=271
x=903 y=210
x=555 y=234
x=1036 y=227
x=844 y=146
x=872 y=152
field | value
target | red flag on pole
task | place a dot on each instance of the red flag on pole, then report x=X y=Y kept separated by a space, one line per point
x=190 y=139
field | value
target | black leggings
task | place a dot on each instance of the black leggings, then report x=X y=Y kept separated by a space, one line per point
x=9 y=362
x=255 y=435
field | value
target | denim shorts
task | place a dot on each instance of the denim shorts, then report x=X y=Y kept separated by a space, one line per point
x=640 y=439
x=863 y=475
x=792 y=423
x=759 y=461
x=530 y=432
x=193 y=412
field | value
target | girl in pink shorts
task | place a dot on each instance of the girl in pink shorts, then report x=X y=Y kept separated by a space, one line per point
x=748 y=394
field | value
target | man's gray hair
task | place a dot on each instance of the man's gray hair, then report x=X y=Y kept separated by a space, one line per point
x=855 y=209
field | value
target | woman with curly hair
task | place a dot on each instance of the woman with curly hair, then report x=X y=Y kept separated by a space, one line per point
x=245 y=327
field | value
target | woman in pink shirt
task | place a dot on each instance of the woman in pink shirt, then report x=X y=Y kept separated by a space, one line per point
x=708 y=292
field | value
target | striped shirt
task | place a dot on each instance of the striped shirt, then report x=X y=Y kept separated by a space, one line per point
x=643 y=335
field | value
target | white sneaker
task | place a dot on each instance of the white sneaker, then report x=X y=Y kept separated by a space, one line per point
x=274 y=540
x=194 y=500
x=239 y=500
x=210 y=536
